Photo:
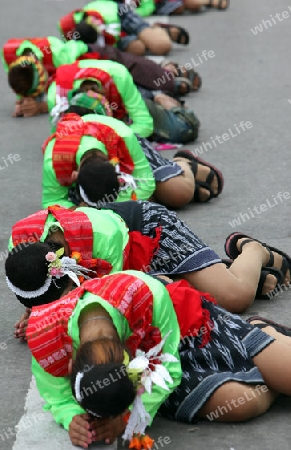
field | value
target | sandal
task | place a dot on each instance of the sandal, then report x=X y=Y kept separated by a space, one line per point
x=194 y=161
x=182 y=86
x=278 y=274
x=286 y=331
x=219 y=6
x=183 y=37
x=264 y=272
x=232 y=251
x=193 y=78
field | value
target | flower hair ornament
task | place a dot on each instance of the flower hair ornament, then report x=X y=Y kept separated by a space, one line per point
x=61 y=105
x=57 y=268
x=145 y=370
x=125 y=180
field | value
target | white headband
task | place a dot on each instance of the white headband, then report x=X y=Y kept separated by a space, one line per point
x=29 y=294
x=85 y=198
x=68 y=266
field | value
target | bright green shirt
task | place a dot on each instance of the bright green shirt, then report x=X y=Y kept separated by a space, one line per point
x=142 y=121
x=56 y=391
x=110 y=235
x=53 y=193
x=62 y=52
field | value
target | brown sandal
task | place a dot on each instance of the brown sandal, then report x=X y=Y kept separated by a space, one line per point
x=193 y=78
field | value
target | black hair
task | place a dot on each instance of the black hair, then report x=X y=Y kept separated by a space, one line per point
x=96 y=87
x=105 y=387
x=20 y=78
x=98 y=179
x=28 y=52
x=27 y=269
x=86 y=32
x=80 y=110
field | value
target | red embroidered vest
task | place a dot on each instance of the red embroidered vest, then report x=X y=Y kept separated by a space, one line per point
x=68 y=73
x=78 y=233
x=68 y=135
x=11 y=46
x=67 y=25
x=137 y=255
x=47 y=331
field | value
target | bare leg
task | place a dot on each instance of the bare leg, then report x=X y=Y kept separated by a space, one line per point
x=235 y=288
x=237 y=402
x=136 y=47
x=274 y=363
x=156 y=40
x=177 y=191
x=166 y=102
x=274 y=333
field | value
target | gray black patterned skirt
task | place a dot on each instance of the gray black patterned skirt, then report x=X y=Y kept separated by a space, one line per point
x=180 y=250
x=163 y=169
x=227 y=357
x=166 y=7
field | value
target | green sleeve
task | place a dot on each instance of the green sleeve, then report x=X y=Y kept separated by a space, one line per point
x=142 y=121
x=57 y=393
x=146 y=8
x=110 y=236
x=10 y=244
x=142 y=172
x=69 y=52
x=51 y=102
x=164 y=318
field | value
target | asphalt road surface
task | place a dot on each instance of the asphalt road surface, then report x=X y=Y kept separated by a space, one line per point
x=247 y=80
